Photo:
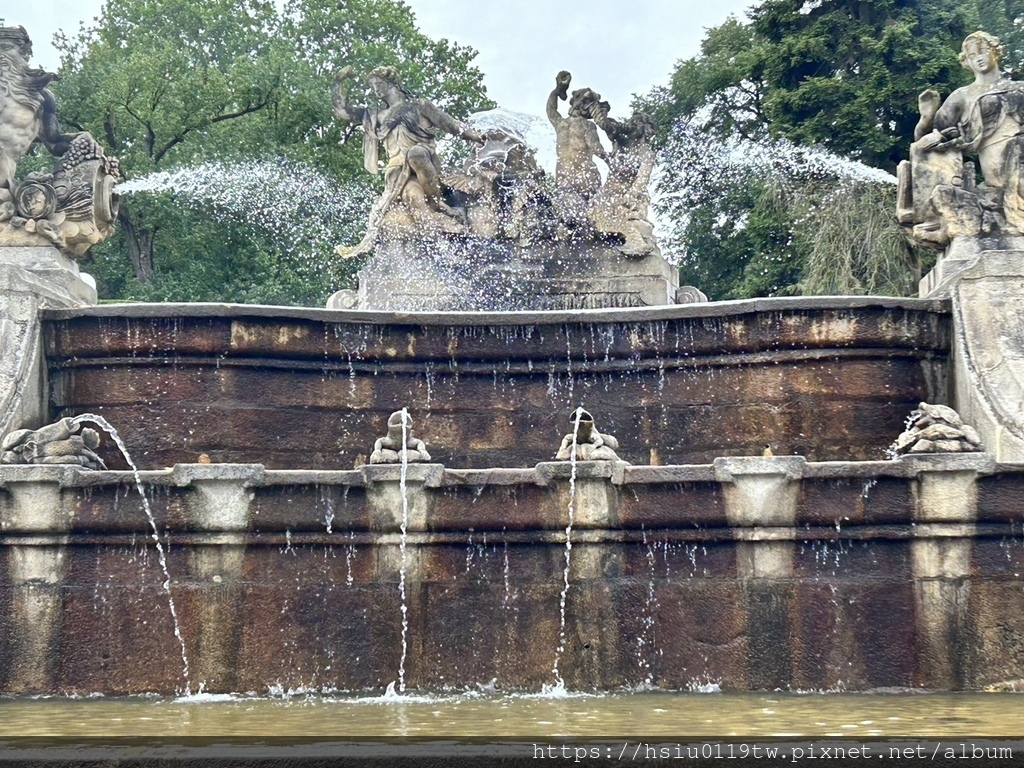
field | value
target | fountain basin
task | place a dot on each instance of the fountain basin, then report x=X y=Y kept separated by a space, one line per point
x=828 y=378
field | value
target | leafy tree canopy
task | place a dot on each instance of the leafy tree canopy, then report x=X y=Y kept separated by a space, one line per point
x=842 y=75
x=171 y=84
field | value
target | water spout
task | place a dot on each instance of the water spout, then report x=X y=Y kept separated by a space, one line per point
x=99 y=421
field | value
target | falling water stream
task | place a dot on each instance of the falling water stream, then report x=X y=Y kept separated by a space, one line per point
x=559 y=686
x=106 y=426
x=403 y=490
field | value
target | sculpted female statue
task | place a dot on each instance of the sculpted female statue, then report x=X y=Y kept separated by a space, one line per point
x=985 y=118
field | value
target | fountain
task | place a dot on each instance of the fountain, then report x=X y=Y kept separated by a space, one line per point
x=677 y=555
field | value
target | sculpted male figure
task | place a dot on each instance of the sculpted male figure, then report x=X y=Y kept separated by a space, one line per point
x=576 y=174
x=408 y=128
x=28 y=112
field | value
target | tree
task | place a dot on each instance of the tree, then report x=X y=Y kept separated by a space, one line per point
x=841 y=75
x=154 y=74
x=176 y=84
x=1005 y=20
x=845 y=74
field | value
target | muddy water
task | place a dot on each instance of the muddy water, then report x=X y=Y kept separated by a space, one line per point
x=648 y=714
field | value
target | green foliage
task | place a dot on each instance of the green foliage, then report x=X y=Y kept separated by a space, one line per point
x=845 y=74
x=722 y=85
x=842 y=75
x=167 y=84
x=849 y=241
x=1005 y=20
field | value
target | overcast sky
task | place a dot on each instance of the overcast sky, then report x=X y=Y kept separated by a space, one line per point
x=616 y=47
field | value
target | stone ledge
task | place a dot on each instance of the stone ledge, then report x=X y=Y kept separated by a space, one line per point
x=692 y=473
x=551 y=471
x=727 y=468
x=680 y=311
x=428 y=475
x=981 y=463
x=438 y=475
x=187 y=474
x=497 y=476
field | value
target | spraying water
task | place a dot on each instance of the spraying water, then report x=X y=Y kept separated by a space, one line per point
x=733 y=158
x=534 y=131
x=99 y=421
x=302 y=208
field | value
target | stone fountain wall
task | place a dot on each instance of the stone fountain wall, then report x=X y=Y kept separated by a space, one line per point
x=829 y=379
x=704 y=563
x=748 y=573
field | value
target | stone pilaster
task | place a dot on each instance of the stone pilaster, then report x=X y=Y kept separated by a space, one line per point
x=37 y=565
x=31 y=279
x=946 y=509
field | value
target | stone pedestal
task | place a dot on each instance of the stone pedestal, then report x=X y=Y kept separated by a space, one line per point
x=985 y=280
x=31 y=279
x=963 y=253
x=483 y=275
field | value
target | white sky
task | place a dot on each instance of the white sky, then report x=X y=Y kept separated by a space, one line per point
x=616 y=47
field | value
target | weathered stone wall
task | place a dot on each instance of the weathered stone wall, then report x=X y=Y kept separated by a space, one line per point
x=830 y=379
x=753 y=573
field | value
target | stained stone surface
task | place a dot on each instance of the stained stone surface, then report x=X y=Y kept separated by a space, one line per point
x=311 y=389
x=988 y=306
x=753 y=573
x=31 y=279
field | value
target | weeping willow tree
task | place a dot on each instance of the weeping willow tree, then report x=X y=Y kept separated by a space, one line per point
x=856 y=247
x=848 y=238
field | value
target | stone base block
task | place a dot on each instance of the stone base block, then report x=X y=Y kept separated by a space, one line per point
x=988 y=346
x=478 y=275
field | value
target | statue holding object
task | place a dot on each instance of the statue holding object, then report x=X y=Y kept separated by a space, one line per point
x=938 y=196
x=577 y=179
x=75 y=206
x=408 y=128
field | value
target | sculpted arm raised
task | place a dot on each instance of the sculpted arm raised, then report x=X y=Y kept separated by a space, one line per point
x=342 y=110
x=928 y=105
x=561 y=91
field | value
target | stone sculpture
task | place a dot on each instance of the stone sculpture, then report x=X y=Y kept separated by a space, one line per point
x=501 y=189
x=389 y=449
x=938 y=197
x=937 y=429
x=622 y=205
x=75 y=206
x=496 y=233
x=586 y=442
x=577 y=144
x=408 y=128
x=63 y=442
